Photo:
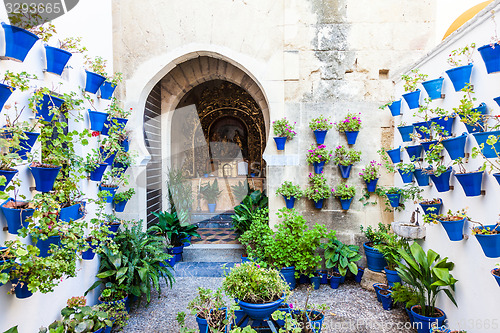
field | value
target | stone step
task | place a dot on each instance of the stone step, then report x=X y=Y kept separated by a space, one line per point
x=201 y=269
x=212 y=253
x=226 y=216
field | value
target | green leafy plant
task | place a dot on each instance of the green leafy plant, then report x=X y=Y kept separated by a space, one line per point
x=345 y=156
x=243 y=213
x=407 y=192
x=405 y=294
x=375 y=236
x=462 y=55
x=390 y=248
x=320 y=124
x=351 y=122
x=282 y=128
x=240 y=190
x=318 y=188
x=412 y=79
x=288 y=190
x=124 y=196
x=341 y=256
x=259 y=235
x=316 y=154
x=209 y=305
x=169 y=226
x=344 y=191
x=210 y=192
x=96 y=65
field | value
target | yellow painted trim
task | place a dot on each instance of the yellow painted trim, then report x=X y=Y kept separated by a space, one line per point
x=466 y=16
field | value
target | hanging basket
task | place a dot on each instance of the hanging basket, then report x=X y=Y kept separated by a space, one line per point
x=16 y=218
x=412 y=99
x=395 y=155
x=460 y=76
x=18 y=42
x=433 y=88
x=120 y=206
x=27 y=144
x=491 y=57
x=471 y=182
x=394 y=199
x=318 y=167
x=428 y=145
x=414 y=152
x=318 y=204
x=422 y=177
x=56 y=59
x=110 y=192
x=371 y=185
x=289 y=202
x=456 y=146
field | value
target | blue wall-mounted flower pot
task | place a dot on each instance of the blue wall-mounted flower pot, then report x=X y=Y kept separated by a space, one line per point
x=412 y=99
x=97 y=120
x=318 y=167
x=320 y=136
x=487 y=150
x=497 y=177
x=456 y=146
x=107 y=89
x=289 y=202
x=70 y=213
x=497 y=100
x=110 y=192
x=93 y=82
x=432 y=208
x=288 y=275
x=16 y=218
x=27 y=144
x=56 y=59
x=442 y=182
x=471 y=182
x=414 y=152
x=125 y=144
x=426 y=145
x=374 y=259
x=89 y=254
x=5 y=92
x=395 y=108
x=8 y=174
x=120 y=206
x=345 y=203
x=119 y=123
x=422 y=177
x=351 y=136
x=44 y=245
x=98 y=172
x=44 y=107
x=490 y=243
x=44 y=178
x=280 y=142
x=460 y=76
x=345 y=170
x=446 y=124
x=407 y=176
x=395 y=155
x=405 y=132
x=477 y=127
x=420 y=126
x=454 y=229
x=318 y=204
x=497 y=275
x=433 y=87
x=394 y=199
x=491 y=57
x=18 y=42
x=371 y=185
x=21 y=291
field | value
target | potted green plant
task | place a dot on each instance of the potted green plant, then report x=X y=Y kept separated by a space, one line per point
x=58 y=57
x=12 y=81
x=390 y=248
x=350 y=126
x=406 y=295
x=117 y=118
x=344 y=193
x=16 y=210
x=461 y=61
x=453 y=223
x=397 y=196
x=370 y=174
x=108 y=87
x=318 y=156
x=411 y=80
x=283 y=131
x=96 y=73
x=345 y=158
x=374 y=258
x=210 y=310
x=256 y=239
x=318 y=190
x=488 y=237
x=121 y=198
x=210 y=193
x=110 y=183
x=341 y=256
x=290 y=193
x=320 y=127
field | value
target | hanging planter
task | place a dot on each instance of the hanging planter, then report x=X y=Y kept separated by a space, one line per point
x=414 y=152
x=405 y=132
x=487 y=150
x=477 y=127
x=44 y=177
x=320 y=136
x=454 y=229
x=118 y=122
x=44 y=106
x=280 y=142
x=27 y=144
x=345 y=170
x=93 y=82
x=431 y=207
x=371 y=185
x=16 y=214
x=98 y=172
x=406 y=176
x=318 y=204
x=412 y=99
x=120 y=206
x=460 y=76
x=351 y=136
x=422 y=177
x=446 y=123
x=107 y=89
x=125 y=144
x=418 y=128
x=374 y=258
x=394 y=199
x=56 y=59
x=497 y=100
x=433 y=88
x=395 y=108
x=497 y=177
x=496 y=274
x=426 y=145
x=288 y=275
x=318 y=167
x=110 y=192
x=345 y=203
x=491 y=57
x=395 y=155
x=72 y=213
x=97 y=120
x=21 y=289
x=289 y=202
x=490 y=243
x=8 y=174
x=442 y=182
x=18 y=42
x=5 y=92
x=45 y=245
x=456 y=146
x=471 y=182
x=90 y=253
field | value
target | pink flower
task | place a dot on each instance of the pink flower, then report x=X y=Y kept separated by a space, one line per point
x=258 y=266
x=237 y=265
x=291 y=306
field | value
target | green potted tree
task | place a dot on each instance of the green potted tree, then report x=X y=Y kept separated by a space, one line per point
x=210 y=193
x=290 y=193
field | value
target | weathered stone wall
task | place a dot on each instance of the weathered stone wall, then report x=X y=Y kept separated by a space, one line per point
x=308 y=57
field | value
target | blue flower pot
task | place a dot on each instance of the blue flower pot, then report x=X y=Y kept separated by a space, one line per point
x=395 y=108
x=460 y=76
x=359 y=276
x=93 y=82
x=395 y=155
x=211 y=207
x=317 y=324
x=407 y=177
x=386 y=301
x=8 y=174
x=113 y=228
x=427 y=145
x=446 y=124
x=89 y=254
x=497 y=100
x=324 y=277
x=471 y=182
x=202 y=324
x=110 y=157
x=491 y=57
x=121 y=168
x=289 y=202
x=345 y=170
x=3 y=262
x=320 y=136
x=44 y=107
x=479 y=125
x=5 y=92
x=70 y=213
x=456 y=146
x=371 y=185
x=432 y=208
x=454 y=229
x=125 y=144
x=442 y=182
x=351 y=136
x=27 y=144
x=107 y=89
x=497 y=177
x=374 y=259
x=16 y=218
x=420 y=126
x=280 y=142
x=120 y=206
x=490 y=243
x=414 y=152
x=304 y=279
x=120 y=123
x=421 y=177
x=394 y=199
x=260 y=311
x=97 y=120
x=377 y=287
x=316 y=281
x=288 y=275
x=433 y=87
x=318 y=167
x=405 y=132
x=110 y=192
x=21 y=291
x=176 y=252
x=98 y=172
x=318 y=204
x=497 y=277
x=345 y=203
x=44 y=178
x=44 y=245
x=56 y=59
x=487 y=150
x=18 y=42
x=392 y=276
x=334 y=281
x=423 y=324
x=412 y=99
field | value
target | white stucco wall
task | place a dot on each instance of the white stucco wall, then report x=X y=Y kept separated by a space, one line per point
x=476 y=290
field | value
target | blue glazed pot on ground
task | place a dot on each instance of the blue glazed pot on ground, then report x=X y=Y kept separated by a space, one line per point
x=316 y=281
x=424 y=324
x=288 y=274
x=289 y=202
x=320 y=136
x=395 y=155
x=433 y=87
x=374 y=259
x=335 y=281
x=318 y=167
x=56 y=59
x=176 y=252
x=456 y=146
x=405 y=132
x=44 y=177
x=422 y=177
x=202 y=324
x=395 y=108
x=345 y=170
x=490 y=243
x=491 y=57
x=371 y=185
x=345 y=203
x=378 y=287
x=359 y=276
x=351 y=136
x=471 y=182
x=260 y=311
x=280 y=142
x=18 y=42
x=454 y=229
x=460 y=76
x=386 y=299
x=318 y=204
x=412 y=99
x=392 y=276
x=442 y=182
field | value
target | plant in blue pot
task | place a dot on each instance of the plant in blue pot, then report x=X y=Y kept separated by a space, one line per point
x=96 y=73
x=341 y=256
x=345 y=159
x=344 y=193
x=12 y=81
x=283 y=131
x=209 y=309
x=411 y=81
x=390 y=247
x=318 y=156
x=350 y=125
x=108 y=87
x=320 y=127
x=318 y=190
x=110 y=183
x=121 y=199
x=406 y=295
x=394 y=107
x=210 y=192
x=58 y=57
x=117 y=118
x=370 y=174
x=406 y=172
x=290 y=193
x=461 y=61
x=488 y=237
x=397 y=196
x=18 y=137
x=374 y=258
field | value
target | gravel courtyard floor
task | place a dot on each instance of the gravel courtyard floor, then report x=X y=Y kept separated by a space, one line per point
x=351 y=308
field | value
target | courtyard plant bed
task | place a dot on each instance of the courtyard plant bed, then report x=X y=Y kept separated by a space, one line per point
x=350 y=125
x=290 y=193
x=320 y=127
x=283 y=131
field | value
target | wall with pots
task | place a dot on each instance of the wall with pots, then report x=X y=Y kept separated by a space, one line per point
x=476 y=290
x=41 y=309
